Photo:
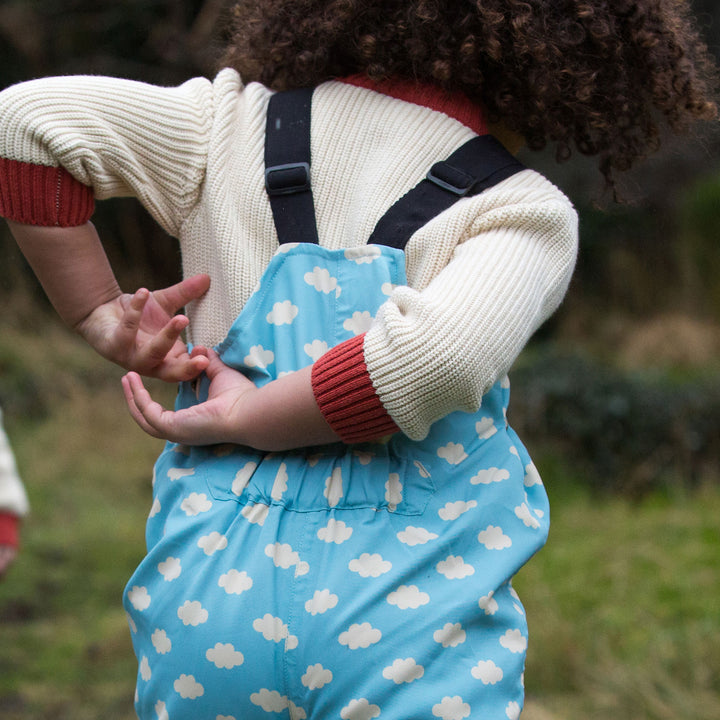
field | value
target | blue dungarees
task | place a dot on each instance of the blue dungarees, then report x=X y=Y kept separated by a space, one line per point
x=344 y=581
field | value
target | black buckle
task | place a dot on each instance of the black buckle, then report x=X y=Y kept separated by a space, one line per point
x=450 y=178
x=287 y=179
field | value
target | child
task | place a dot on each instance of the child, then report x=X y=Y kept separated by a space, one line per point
x=341 y=505
x=13 y=503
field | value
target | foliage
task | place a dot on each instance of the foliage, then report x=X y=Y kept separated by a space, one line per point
x=625 y=432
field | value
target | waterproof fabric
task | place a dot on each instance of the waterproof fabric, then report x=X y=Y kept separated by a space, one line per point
x=347 y=581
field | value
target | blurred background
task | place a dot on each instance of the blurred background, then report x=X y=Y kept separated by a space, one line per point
x=617 y=398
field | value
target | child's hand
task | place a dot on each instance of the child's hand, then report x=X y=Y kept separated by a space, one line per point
x=281 y=415
x=218 y=419
x=141 y=332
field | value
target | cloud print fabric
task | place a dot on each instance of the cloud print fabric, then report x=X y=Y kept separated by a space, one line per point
x=350 y=582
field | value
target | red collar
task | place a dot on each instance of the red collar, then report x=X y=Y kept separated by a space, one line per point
x=456 y=105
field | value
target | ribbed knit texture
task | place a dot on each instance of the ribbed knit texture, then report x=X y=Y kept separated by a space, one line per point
x=9 y=530
x=41 y=195
x=346 y=396
x=482 y=276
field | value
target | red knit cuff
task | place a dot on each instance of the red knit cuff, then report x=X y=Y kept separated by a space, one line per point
x=41 y=195
x=346 y=396
x=9 y=530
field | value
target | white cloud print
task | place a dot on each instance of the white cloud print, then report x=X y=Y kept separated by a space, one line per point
x=453 y=510
x=512 y=710
x=155 y=509
x=360 y=710
x=336 y=531
x=322 y=281
x=451 y=708
x=161 y=642
x=359 y=323
x=453 y=567
x=273 y=701
x=224 y=655
x=514 y=641
x=192 y=613
x=493 y=538
x=485 y=428
x=488 y=672
x=532 y=476
x=393 y=491
x=212 y=543
x=160 y=710
x=282 y=313
x=259 y=357
x=273 y=628
x=187 y=687
x=334 y=487
x=280 y=482
x=491 y=475
x=283 y=556
x=321 y=602
x=256 y=514
x=360 y=635
x=242 y=477
x=403 y=671
x=454 y=453
x=195 y=503
x=408 y=597
x=363 y=254
x=139 y=597
x=488 y=603
x=176 y=473
x=316 y=677
x=368 y=565
x=524 y=513
x=315 y=349
x=170 y=568
x=415 y=536
x=450 y=635
x=235 y=582
x=145 y=671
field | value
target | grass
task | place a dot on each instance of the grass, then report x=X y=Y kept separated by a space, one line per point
x=622 y=602
x=623 y=607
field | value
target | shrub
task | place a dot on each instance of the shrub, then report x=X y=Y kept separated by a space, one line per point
x=623 y=431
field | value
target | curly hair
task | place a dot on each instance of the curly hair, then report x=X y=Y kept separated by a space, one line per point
x=600 y=76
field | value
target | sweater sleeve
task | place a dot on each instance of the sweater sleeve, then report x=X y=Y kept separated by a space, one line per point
x=67 y=140
x=13 y=500
x=437 y=350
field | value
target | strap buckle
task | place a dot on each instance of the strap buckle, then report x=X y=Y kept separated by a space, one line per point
x=450 y=178
x=287 y=179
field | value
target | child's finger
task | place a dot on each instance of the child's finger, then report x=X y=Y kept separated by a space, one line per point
x=129 y=324
x=155 y=351
x=130 y=388
x=182 y=368
x=176 y=296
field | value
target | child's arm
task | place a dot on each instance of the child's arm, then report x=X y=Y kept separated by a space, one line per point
x=139 y=332
x=281 y=415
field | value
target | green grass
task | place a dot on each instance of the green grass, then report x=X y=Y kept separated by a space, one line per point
x=623 y=606
x=622 y=603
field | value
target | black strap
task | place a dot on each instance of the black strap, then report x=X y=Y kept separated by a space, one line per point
x=287 y=165
x=475 y=166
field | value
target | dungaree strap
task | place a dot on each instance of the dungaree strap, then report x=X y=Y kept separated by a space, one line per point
x=475 y=166
x=287 y=165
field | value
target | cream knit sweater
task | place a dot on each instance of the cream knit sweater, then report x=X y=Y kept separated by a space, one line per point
x=482 y=276
x=13 y=499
